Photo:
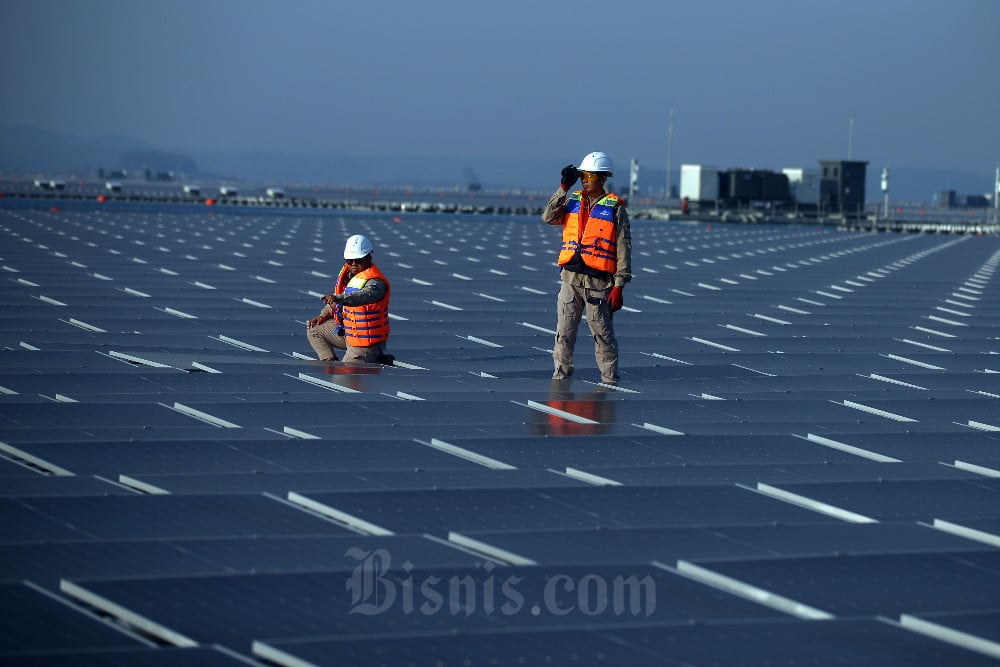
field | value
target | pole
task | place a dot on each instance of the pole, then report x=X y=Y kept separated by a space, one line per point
x=996 y=197
x=850 y=139
x=670 y=145
x=885 y=190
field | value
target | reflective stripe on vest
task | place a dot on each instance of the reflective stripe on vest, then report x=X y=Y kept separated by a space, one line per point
x=597 y=241
x=367 y=324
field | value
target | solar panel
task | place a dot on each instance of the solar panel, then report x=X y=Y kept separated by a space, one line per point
x=653 y=449
x=164 y=516
x=209 y=656
x=32 y=485
x=36 y=621
x=442 y=511
x=759 y=642
x=901 y=500
x=136 y=559
x=873 y=584
x=463 y=475
x=723 y=542
x=979 y=631
x=319 y=604
x=778 y=474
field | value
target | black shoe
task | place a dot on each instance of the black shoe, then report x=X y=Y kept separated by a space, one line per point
x=385 y=359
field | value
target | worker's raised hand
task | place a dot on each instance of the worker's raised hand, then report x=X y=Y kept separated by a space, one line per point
x=570 y=174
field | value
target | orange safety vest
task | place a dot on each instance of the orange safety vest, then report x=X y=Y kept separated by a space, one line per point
x=596 y=239
x=367 y=324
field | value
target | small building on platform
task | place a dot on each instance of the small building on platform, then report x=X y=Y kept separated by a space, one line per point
x=842 y=187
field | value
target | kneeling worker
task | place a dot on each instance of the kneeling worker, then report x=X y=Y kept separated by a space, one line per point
x=355 y=318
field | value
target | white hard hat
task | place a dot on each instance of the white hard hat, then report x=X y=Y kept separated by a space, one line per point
x=597 y=161
x=357 y=247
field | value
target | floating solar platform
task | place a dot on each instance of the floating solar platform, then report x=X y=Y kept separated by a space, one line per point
x=799 y=464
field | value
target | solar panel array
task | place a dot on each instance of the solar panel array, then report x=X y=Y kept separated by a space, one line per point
x=801 y=463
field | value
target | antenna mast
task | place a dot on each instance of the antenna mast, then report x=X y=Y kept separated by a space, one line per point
x=670 y=143
x=850 y=140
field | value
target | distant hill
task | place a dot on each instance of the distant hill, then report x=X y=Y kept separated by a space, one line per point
x=29 y=149
x=32 y=150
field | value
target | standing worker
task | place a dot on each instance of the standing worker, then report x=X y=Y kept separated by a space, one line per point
x=595 y=261
x=355 y=317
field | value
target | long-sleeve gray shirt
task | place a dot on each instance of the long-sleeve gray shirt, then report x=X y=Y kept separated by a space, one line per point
x=554 y=213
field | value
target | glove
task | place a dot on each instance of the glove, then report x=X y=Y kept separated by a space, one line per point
x=615 y=299
x=569 y=176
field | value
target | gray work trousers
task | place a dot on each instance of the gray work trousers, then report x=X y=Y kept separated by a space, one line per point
x=571 y=302
x=324 y=338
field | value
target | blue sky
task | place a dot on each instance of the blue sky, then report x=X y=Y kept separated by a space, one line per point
x=770 y=84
